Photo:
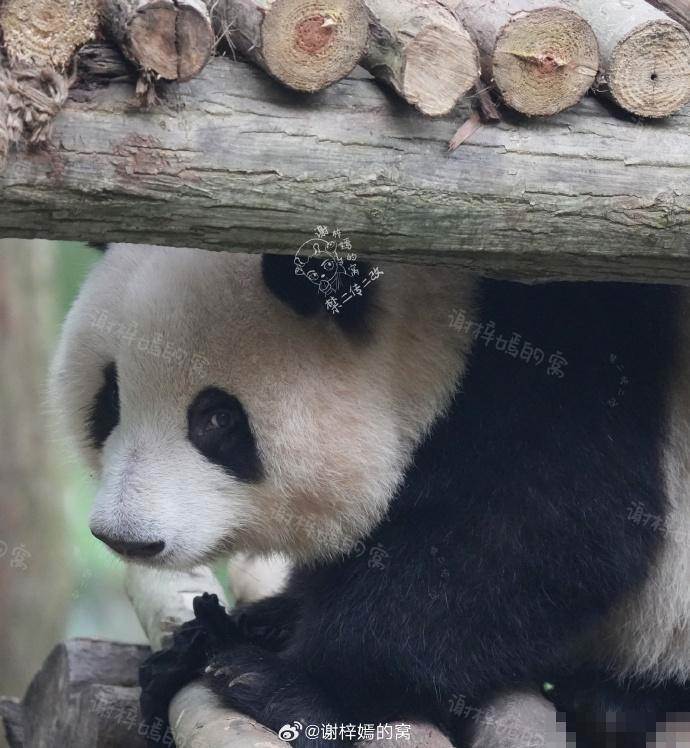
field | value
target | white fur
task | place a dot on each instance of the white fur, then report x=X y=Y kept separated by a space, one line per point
x=254 y=577
x=649 y=635
x=335 y=419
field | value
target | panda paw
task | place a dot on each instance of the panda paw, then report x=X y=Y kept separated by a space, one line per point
x=194 y=644
x=218 y=625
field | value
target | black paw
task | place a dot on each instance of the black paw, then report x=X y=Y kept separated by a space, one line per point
x=165 y=672
x=219 y=627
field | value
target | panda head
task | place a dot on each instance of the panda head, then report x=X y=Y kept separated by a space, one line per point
x=223 y=409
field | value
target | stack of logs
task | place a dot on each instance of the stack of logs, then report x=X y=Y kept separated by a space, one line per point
x=538 y=56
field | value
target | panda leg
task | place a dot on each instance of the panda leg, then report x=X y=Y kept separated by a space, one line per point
x=273 y=691
x=269 y=623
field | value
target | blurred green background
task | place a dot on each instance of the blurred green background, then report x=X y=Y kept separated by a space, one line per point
x=56 y=580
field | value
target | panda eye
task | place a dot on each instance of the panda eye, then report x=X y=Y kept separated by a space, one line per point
x=219 y=429
x=220 y=419
x=105 y=411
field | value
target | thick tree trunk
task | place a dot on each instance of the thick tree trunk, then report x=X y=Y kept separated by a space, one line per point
x=305 y=44
x=541 y=56
x=235 y=162
x=171 y=39
x=32 y=536
x=420 y=48
x=645 y=55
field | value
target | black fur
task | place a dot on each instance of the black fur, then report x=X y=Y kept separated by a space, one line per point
x=509 y=537
x=105 y=411
x=606 y=713
x=304 y=297
x=230 y=444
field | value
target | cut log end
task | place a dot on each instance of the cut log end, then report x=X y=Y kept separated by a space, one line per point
x=442 y=64
x=545 y=61
x=172 y=40
x=649 y=74
x=309 y=44
x=46 y=33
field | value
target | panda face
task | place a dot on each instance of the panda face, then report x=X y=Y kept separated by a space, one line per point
x=217 y=419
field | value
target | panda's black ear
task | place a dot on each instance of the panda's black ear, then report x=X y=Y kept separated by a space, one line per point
x=295 y=290
x=288 y=281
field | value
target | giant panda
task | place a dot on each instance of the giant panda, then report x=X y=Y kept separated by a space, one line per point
x=479 y=484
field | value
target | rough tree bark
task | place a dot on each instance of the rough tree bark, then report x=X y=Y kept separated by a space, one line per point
x=645 y=55
x=234 y=161
x=171 y=39
x=420 y=48
x=541 y=56
x=305 y=44
x=39 y=38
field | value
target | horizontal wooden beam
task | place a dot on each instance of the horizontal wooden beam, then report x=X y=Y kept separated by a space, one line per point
x=233 y=161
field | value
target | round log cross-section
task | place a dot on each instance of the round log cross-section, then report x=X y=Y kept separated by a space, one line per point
x=170 y=39
x=645 y=55
x=305 y=44
x=420 y=48
x=542 y=57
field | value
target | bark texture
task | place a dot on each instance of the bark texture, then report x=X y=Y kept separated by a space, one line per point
x=233 y=161
x=305 y=44
x=39 y=39
x=420 y=49
x=645 y=55
x=171 y=39
x=541 y=56
x=84 y=696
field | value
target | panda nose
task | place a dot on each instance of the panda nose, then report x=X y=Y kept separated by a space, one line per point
x=129 y=548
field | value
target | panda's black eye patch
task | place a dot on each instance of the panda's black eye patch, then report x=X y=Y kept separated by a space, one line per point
x=105 y=411
x=219 y=428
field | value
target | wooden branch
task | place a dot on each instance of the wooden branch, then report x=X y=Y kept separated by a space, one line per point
x=236 y=162
x=163 y=601
x=679 y=10
x=420 y=48
x=645 y=55
x=305 y=44
x=541 y=56
x=171 y=39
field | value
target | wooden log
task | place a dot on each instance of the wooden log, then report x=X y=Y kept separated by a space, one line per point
x=81 y=694
x=679 y=10
x=163 y=601
x=541 y=56
x=420 y=49
x=645 y=55
x=584 y=195
x=170 y=39
x=46 y=33
x=305 y=44
x=39 y=39
x=12 y=716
